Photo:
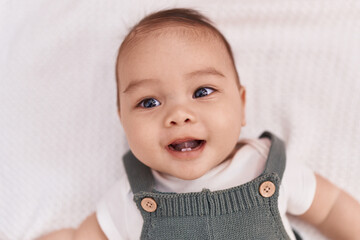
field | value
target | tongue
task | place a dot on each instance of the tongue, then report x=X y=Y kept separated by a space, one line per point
x=188 y=144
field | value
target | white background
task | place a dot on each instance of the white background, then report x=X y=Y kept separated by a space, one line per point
x=60 y=138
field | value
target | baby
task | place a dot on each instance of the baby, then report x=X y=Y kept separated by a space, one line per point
x=188 y=176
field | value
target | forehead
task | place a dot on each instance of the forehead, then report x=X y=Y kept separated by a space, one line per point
x=169 y=29
x=169 y=45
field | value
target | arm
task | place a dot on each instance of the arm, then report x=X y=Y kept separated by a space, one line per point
x=88 y=230
x=335 y=213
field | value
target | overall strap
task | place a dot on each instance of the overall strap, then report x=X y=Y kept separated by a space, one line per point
x=276 y=160
x=139 y=175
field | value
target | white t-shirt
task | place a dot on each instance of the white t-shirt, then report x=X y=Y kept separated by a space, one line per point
x=120 y=218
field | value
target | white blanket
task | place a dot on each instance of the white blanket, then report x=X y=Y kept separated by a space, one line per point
x=60 y=138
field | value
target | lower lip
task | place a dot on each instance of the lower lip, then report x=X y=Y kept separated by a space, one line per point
x=187 y=155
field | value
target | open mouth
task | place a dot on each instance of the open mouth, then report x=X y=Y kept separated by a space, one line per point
x=186 y=146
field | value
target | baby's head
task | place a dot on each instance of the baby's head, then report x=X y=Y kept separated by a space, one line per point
x=179 y=96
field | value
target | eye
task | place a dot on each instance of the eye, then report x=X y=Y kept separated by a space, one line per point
x=202 y=92
x=149 y=103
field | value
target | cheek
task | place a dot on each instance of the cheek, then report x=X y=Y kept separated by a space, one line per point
x=226 y=120
x=141 y=135
x=227 y=113
x=132 y=130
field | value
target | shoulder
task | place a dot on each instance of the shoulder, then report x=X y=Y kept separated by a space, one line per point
x=116 y=212
x=299 y=184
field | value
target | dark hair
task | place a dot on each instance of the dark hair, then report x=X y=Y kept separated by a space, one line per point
x=178 y=17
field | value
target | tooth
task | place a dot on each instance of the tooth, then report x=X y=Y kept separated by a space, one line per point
x=185 y=149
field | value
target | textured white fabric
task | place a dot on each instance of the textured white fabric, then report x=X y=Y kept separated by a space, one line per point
x=60 y=138
x=119 y=217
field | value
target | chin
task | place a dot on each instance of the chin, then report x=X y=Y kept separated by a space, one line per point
x=191 y=175
x=188 y=177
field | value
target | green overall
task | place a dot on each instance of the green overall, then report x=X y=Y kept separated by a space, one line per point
x=242 y=212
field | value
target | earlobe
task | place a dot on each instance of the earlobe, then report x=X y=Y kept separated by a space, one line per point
x=243 y=104
x=242 y=91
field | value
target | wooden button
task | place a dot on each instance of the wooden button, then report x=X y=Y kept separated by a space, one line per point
x=149 y=204
x=267 y=189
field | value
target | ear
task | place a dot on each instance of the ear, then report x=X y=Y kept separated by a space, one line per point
x=242 y=92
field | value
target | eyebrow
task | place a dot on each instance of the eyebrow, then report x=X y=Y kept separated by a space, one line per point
x=206 y=71
x=136 y=83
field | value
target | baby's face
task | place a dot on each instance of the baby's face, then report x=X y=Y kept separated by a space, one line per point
x=180 y=104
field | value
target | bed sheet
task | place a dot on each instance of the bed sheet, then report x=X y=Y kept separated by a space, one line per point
x=60 y=138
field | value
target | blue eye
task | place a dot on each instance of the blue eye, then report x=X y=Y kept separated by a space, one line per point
x=149 y=103
x=202 y=92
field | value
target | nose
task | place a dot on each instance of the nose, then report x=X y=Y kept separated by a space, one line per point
x=179 y=116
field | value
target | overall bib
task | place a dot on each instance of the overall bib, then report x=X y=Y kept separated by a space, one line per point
x=248 y=211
